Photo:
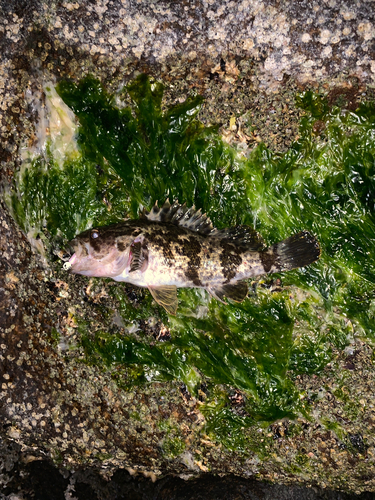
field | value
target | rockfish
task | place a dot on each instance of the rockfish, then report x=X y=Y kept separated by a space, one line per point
x=176 y=246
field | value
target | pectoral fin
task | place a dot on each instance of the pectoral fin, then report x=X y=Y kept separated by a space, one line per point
x=236 y=291
x=166 y=296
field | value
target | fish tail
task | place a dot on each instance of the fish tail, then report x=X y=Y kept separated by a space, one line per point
x=299 y=250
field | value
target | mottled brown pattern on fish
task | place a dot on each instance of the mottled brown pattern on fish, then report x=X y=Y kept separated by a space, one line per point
x=268 y=261
x=230 y=259
x=97 y=244
x=164 y=239
x=166 y=248
x=193 y=251
x=176 y=246
x=121 y=246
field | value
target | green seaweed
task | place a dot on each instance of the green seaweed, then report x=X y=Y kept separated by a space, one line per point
x=172 y=444
x=49 y=199
x=325 y=183
x=156 y=155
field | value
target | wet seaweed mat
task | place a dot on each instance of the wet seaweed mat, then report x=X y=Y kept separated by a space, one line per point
x=240 y=359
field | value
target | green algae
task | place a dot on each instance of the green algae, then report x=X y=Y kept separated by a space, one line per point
x=56 y=197
x=325 y=183
x=172 y=445
x=154 y=154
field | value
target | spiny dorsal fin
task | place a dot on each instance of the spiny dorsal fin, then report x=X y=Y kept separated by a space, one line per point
x=242 y=235
x=180 y=215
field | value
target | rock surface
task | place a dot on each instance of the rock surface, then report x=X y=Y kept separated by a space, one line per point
x=241 y=56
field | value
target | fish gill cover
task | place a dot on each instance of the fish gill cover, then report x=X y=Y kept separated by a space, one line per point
x=240 y=358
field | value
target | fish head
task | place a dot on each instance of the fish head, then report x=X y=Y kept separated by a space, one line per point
x=100 y=252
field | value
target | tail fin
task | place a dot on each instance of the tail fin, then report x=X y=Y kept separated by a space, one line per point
x=299 y=250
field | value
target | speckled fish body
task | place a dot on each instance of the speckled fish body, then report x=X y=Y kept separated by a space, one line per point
x=175 y=246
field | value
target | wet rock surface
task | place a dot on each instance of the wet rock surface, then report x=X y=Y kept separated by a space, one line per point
x=29 y=481
x=59 y=415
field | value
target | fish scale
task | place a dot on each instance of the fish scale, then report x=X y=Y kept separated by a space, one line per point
x=177 y=247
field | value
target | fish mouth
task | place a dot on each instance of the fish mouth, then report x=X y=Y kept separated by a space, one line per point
x=68 y=255
x=65 y=256
x=65 y=253
x=73 y=259
x=77 y=255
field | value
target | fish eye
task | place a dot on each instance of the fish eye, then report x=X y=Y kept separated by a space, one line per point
x=94 y=234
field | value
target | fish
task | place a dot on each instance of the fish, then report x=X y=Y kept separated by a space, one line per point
x=175 y=246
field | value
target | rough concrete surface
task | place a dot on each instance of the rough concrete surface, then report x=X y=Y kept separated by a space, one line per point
x=58 y=413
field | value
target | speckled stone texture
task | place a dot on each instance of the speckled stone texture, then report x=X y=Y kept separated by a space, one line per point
x=227 y=51
x=244 y=57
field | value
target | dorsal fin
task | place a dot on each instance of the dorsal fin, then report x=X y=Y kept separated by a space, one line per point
x=242 y=235
x=180 y=215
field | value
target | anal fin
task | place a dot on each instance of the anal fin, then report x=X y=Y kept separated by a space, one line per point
x=165 y=296
x=236 y=291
